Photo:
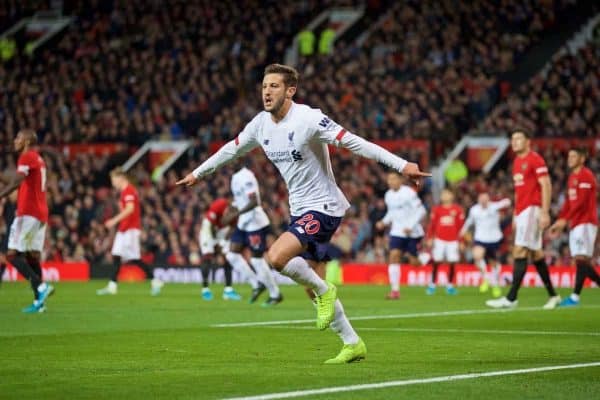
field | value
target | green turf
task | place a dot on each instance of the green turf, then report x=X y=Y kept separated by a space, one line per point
x=136 y=346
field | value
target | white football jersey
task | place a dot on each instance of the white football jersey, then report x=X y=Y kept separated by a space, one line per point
x=404 y=211
x=486 y=221
x=297 y=145
x=244 y=183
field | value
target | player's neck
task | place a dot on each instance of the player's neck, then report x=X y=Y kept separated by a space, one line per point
x=283 y=111
x=576 y=170
x=523 y=153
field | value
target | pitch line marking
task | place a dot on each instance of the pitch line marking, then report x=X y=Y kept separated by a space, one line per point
x=450 y=330
x=408 y=382
x=392 y=316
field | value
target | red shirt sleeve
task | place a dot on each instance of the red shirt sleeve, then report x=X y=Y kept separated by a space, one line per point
x=565 y=210
x=432 y=223
x=460 y=220
x=25 y=163
x=540 y=166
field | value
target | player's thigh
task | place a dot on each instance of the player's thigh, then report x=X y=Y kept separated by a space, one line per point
x=26 y=234
x=478 y=252
x=520 y=252
x=286 y=247
x=527 y=229
x=127 y=245
x=582 y=239
x=452 y=251
x=438 y=250
x=395 y=256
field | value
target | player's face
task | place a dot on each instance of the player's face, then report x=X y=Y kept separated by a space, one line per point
x=394 y=181
x=19 y=142
x=519 y=143
x=483 y=199
x=116 y=181
x=275 y=93
x=446 y=197
x=574 y=159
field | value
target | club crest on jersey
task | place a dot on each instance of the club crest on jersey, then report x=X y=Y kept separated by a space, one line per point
x=291 y=137
x=524 y=166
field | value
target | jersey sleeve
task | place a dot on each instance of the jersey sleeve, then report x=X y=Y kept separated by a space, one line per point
x=499 y=205
x=539 y=166
x=242 y=144
x=565 y=210
x=25 y=163
x=432 y=224
x=330 y=132
x=128 y=195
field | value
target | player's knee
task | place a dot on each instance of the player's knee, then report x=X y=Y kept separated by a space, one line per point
x=276 y=259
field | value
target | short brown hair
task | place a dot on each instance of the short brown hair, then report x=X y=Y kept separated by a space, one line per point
x=118 y=171
x=581 y=150
x=522 y=131
x=290 y=75
x=30 y=135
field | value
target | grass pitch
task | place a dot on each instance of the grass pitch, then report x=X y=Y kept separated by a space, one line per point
x=135 y=346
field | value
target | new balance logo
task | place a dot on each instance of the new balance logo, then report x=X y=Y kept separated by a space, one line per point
x=296 y=155
x=324 y=122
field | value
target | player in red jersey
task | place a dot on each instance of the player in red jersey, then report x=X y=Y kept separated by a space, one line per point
x=126 y=246
x=532 y=205
x=442 y=238
x=27 y=232
x=580 y=212
x=213 y=240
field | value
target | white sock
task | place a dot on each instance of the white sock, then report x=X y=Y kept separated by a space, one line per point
x=299 y=271
x=495 y=275
x=574 y=297
x=482 y=268
x=341 y=326
x=239 y=263
x=394 y=274
x=265 y=275
x=42 y=286
x=228 y=289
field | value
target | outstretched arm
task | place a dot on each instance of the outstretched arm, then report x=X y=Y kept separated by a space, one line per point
x=232 y=150
x=16 y=181
x=364 y=148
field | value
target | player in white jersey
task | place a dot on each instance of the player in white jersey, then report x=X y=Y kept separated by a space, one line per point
x=251 y=231
x=404 y=214
x=295 y=138
x=485 y=216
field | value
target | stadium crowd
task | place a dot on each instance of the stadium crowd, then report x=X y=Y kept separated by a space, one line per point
x=563 y=101
x=125 y=71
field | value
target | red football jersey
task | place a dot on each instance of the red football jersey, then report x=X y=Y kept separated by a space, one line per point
x=526 y=171
x=580 y=204
x=216 y=210
x=31 y=199
x=446 y=222
x=133 y=220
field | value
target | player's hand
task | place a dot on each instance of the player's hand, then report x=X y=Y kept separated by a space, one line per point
x=110 y=223
x=189 y=180
x=557 y=228
x=412 y=172
x=429 y=243
x=379 y=225
x=407 y=231
x=544 y=221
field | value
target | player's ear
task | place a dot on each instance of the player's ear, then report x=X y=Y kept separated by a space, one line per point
x=291 y=91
